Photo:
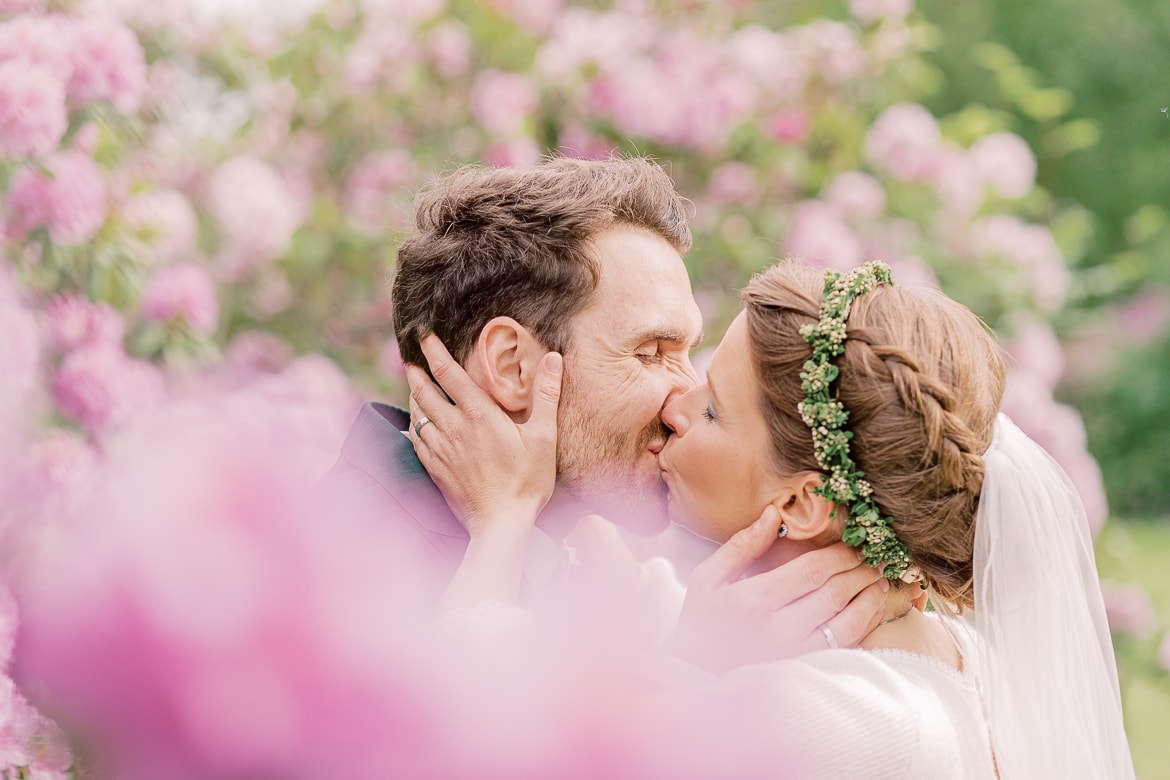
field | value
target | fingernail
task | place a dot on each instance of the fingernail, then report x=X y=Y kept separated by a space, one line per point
x=554 y=362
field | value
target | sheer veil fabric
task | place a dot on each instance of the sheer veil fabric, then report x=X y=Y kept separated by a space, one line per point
x=1048 y=674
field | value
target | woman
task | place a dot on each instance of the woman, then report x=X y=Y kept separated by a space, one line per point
x=855 y=409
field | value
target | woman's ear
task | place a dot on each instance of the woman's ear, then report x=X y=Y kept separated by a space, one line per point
x=808 y=516
x=505 y=360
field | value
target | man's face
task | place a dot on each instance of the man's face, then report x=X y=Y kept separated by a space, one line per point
x=630 y=351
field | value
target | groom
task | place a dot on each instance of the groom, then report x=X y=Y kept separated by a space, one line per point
x=583 y=258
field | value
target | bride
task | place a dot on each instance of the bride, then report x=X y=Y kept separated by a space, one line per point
x=845 y=407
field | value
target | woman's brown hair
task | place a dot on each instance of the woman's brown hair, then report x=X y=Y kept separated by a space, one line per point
x=921 y=377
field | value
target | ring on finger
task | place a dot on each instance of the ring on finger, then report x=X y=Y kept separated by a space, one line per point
x=419 y=425
x=830 y=637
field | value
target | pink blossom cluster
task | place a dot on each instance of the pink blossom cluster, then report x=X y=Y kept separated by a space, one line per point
x=256 y=212
x=69 y=201
x=1128 y=609
x=102 y=388
x=182 y=292
x=50 y=64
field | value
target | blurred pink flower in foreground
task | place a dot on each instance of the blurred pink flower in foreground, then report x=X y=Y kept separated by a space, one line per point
x=183 y=291
x=74 y=321
x=1128 y=609
x=71 y=204
x=32 y=110
x=101 y=388
x=108 y=64
x=38 y=40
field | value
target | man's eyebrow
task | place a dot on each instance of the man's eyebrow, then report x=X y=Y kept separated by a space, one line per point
x=675 y=337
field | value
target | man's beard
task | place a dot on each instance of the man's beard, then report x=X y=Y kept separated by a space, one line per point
x=605 y=468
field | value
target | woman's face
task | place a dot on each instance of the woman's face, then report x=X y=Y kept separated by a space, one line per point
x=716 y=463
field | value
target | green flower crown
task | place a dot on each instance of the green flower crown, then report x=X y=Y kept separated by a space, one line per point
x=845 y=485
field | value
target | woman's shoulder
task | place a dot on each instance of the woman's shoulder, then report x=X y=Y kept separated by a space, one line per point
x=845 y=712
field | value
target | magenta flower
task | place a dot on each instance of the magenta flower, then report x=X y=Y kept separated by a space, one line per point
x=903 y=142
x=32 y=109
x=102 y=388
x=818 y=235
x=255 y=211
x=373 y=192
x=74 y=321
x=857 y=196
x=42 y=41
x=1006 y=163
x=502 y=102
x=71 y=204
x=183 y=291
x=108 y=64
x=872 y=11
x=1128 y=609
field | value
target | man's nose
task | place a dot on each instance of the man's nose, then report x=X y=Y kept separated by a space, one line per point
x=685 y=375
x=672 y=416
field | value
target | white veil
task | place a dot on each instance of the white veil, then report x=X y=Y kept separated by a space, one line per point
x=1048 y=675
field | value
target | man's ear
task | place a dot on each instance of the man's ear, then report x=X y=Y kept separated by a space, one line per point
x=505 y=358
x=807 y=514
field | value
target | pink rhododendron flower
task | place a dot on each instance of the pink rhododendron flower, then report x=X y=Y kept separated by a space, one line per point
x=42 y=41
x=57 y=474
x=502 y=102
x=903 y=142
x=71 y=204
x=958 y=180
x=450 y=48
x=18 y=724
x=32 y=109
x=871 y=11
x=1128 y=609
x=108 y=64
x=770 y=59
x=21 y=6
x=390 y=360
x=1006 y=163
x=183 y=291
x=734 y=182
x=818 y=235
x=534 y=16
x=856 y=196
x=1035 y=349
x=74 y=321
x=578 y=142
x=255 y=211
x=165 y=219
x=1032 y=248
x=376 y=191
x=520 y=152
x=255 y=352
x=1059 y=429
x=1144 y=317
x=20 y=367
x=790 y=126
x=832 y=48
x=102 y=388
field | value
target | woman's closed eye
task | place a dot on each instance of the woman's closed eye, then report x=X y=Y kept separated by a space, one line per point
x=709 y=410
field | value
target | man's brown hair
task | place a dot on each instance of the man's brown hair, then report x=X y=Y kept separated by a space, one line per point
x=922 y=379
x=517 y=243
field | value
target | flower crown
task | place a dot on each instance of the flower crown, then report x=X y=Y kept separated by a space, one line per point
x=845 y=485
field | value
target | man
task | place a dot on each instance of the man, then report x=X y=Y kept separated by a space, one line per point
x=581 y=258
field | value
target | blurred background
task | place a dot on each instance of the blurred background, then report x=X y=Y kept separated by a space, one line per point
x=210 y=193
